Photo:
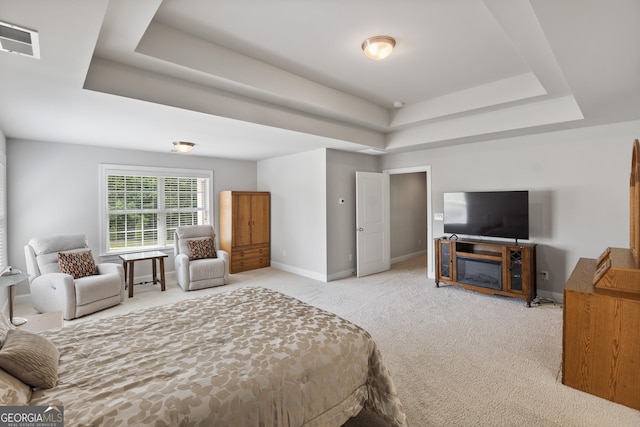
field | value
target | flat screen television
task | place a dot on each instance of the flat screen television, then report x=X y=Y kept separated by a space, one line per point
x=487 y=213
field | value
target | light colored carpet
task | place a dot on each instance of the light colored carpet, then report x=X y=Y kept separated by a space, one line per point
x=458 y=358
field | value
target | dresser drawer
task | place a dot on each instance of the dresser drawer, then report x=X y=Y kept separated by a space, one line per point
x=252 y=252
x=250 y=259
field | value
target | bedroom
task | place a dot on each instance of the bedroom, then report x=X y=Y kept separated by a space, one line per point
x=577 y=178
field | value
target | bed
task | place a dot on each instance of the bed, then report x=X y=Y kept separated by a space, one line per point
x=245 y=357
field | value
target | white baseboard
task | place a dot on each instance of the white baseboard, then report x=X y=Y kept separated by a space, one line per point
x=22 y=299
x=299 y=271
x=338 y=275
x=407 y=256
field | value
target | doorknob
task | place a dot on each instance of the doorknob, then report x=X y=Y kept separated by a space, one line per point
x=360 y=229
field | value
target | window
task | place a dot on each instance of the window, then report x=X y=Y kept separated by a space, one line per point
x=141 y=206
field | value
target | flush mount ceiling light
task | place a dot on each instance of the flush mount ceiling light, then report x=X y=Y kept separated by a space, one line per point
x=378 y=47
x=183 y=146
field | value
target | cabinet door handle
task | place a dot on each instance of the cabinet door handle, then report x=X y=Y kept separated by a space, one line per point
x=360 y=229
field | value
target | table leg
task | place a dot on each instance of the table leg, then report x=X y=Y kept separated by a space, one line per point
x=124 y=265
x=131 y=279
x=12 y=294
x=154 y=273
x=162 y=283
x=15 y=321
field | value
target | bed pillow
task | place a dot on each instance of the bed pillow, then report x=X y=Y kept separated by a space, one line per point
x=77 y=263
x=5 y=325
x=202 y=248
x=13 y=392
x=31 y=358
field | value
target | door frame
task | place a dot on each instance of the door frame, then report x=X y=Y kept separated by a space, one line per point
x=430 y=245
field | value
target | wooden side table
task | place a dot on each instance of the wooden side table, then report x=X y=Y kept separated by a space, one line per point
x=43 y=322
x=128 y=261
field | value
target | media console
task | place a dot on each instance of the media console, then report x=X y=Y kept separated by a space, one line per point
x=492 y=267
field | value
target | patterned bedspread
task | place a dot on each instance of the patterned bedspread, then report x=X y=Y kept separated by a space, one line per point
x=247 y=357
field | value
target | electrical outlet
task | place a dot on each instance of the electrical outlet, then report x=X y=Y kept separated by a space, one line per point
x=545 y=275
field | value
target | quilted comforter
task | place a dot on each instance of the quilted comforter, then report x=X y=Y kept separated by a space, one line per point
x=247 y=357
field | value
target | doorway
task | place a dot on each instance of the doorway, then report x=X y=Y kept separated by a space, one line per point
x=407 y=235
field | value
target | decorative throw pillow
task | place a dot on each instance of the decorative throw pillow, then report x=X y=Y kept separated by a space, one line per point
x=13 y=392
x=5 y=325
x=31 y=358
x=77 y=263
x=202 y=248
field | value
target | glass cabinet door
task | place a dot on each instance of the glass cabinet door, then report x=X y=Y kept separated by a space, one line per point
x=444 y=264
x=515 y=259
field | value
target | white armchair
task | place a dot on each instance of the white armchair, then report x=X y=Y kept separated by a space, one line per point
x=199 y=271
x=52 y=290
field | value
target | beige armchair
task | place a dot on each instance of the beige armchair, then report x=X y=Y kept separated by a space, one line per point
x=196 y=268
x=82 y=288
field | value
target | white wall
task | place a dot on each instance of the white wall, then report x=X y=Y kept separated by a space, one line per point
x=408 y=214
x=54 y=189
x=578 y=182
x=341 y=219
x=305 y=201
x=298 y=211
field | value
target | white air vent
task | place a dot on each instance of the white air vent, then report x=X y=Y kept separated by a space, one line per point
x=19 y=40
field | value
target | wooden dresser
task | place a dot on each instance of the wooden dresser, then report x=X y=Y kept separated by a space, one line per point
x=245 y=229
x=601 y=338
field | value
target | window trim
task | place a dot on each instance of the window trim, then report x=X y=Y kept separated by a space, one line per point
x=116 y=169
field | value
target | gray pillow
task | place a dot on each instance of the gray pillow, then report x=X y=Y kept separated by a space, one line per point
x=31 y=358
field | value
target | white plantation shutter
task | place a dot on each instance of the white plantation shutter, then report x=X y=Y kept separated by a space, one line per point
x=142 y=206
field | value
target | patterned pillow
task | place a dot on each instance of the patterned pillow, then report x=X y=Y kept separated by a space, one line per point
x=13 y=392
x=202 y=248
x=31 y=358
x=77 y=263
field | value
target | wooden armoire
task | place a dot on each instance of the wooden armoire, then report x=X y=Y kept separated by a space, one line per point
x=245 y=229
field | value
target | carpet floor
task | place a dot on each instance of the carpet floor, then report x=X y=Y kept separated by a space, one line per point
x=458 y=358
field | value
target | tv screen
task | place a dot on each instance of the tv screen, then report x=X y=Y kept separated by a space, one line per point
x=487 y=213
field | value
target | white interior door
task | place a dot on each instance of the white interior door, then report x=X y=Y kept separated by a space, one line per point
x=373 y=225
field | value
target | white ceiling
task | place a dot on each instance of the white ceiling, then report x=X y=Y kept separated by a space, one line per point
x=254 y=79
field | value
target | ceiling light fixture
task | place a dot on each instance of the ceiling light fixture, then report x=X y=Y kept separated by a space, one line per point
x=378 y=47
x=183 y=146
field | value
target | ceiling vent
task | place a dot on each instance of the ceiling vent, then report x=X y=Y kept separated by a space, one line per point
x=19 y=40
